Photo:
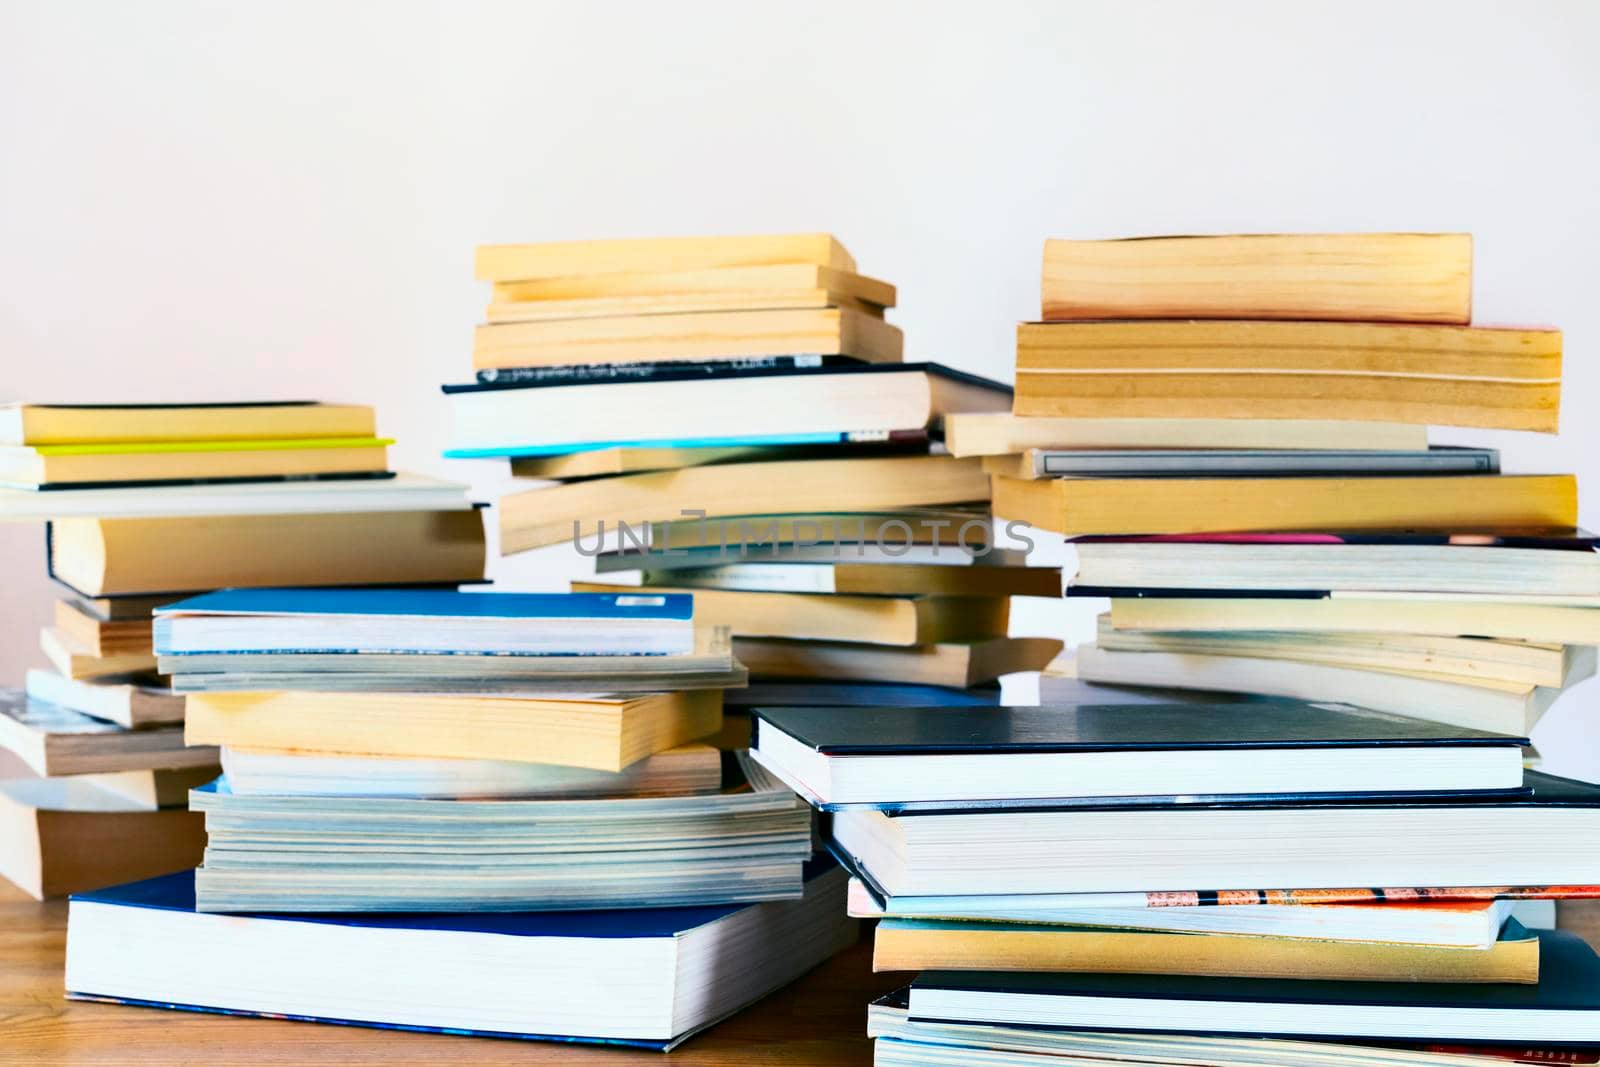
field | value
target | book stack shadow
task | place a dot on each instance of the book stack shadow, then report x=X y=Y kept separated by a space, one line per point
x=143 y=504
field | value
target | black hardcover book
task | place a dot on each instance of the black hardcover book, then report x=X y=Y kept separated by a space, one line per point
x=731 y=369
x=663 y=371
x=855 y=695
x=943 y=758
x=1562 y=1009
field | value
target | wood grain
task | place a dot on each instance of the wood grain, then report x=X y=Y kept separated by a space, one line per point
x=819 y=1021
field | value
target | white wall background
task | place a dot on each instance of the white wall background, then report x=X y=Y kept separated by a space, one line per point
x=222 y=200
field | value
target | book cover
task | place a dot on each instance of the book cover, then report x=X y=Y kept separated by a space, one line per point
x=436 y=603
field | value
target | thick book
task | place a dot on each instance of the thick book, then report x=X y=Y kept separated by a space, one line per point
x=1563 y=1008
x=1451 y=502
x=951 y=536
x=759 y=492
x=1363 y=277
x=284 y=496
x=815 y=405
x=709 y=665
x=957 y=664
x=126 y=701
x=54 y=740
x=104 y=464
x=701 y=303
x=1534 y=564
x=601 y=462
x=1554 y=620
x=102 y=557
x=648 y=978
x=1494 y=378
x=436 y=621
x=1002 y=434
x=895 y=758
x=1469 y=917
x=692 y=335
x=862 y=579
x=602 y=733
x=343 y=853
x=685 y=770
x=102 y=637
x=79 y=662
x=941 y=945
x=1471 y=841
x=557 y=259
x=873 y=620
x=1239 y=462
x=76 y=424
x=902 y=1041
x=1479 y=703
x=66 y=835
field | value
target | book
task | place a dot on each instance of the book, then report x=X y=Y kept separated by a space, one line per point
x=938 y=945
x=756 y=406
x=102 y=637
x=699 y=335
x=125 y=701
x=53 y=740
x=894 y=758
x=954 y=664
x=685 y=770
x=515 y=262
x=1511 y=840
x=647 y=977
x=102 y=464
x=721 y=281
x=155 y=789
x=854 y=694
x=875 y=620
x=550 y=310
x=1241 y=463
x=1548 y=620
x=73 y=424
x=1207 y=505
x=948 y=535
x=1493 y=378
x=863 y=579
x=996 y=433
x=709 y=666
x=97 y=557
x=1446 y=917
x=291 y=496
x=122 y=609
x=572 y=511
x=1363 y=277
x=602 y=462
x=652 y=370
x=1467 y=657
x=1318 y=562
x=1562 y=1007
x=438 y=621
x=604 y=733
x=67 y=835
x=905 y=1042
x=342 y=854
x=79 y=662
x=1482 y=703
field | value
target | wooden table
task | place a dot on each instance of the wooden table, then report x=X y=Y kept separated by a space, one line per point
x=819 y=1020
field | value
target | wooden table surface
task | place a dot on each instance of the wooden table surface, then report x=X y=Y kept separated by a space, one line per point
x=819 y=1020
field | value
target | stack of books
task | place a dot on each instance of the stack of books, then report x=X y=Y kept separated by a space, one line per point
x=1279 y=544
x=1120 y=881
x=145 y=504
x=730 y=417
x=505 y=797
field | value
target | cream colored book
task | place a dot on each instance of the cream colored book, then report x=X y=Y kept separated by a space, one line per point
x=513 y=262
x=605 y=733
x=602 y=307
x=1376 y=277
x=102 y=637
x=959 y=665
x=80 y=663
x=562 y=513
x=995 y=434
x=764 y=278
x=693 y=336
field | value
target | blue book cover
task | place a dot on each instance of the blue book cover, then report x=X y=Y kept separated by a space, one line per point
x=438 y=604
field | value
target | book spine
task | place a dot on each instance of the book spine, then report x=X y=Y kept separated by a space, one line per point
x=640 y=372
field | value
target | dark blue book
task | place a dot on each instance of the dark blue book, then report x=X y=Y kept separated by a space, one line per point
x=856 y=694
x=426 y=621
x=1562 y=1009
x=909 y=758
x=648 y=978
